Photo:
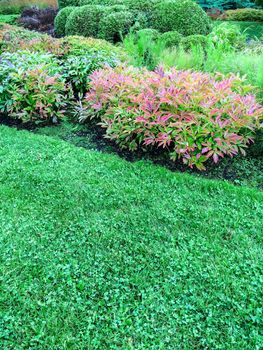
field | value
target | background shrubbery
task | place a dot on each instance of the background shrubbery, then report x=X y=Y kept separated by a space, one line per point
x=102 y=19
x=252 y=15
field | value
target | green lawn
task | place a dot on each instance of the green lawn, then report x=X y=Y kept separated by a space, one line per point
x=99 y=253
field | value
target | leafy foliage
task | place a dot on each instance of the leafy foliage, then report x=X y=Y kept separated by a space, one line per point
x=8 y=19
x=84 y=21
x=185 y=16
x=77 y=45
x=253 y=15
x=194 y=40
x=61 y=20
x=39 y=19
x=228 y=35
x=171 y=39
x=32 y=88
x=144 y=48
x=14 y=38
x=67 y=3
x=115 y=26
x=77 y=68
x=196 y=116
x=70 y=59
x=149 y=33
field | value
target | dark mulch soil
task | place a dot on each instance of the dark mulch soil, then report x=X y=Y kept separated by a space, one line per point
x=18 y=124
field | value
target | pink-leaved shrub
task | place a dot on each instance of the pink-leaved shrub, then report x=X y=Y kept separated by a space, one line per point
x=194 y=115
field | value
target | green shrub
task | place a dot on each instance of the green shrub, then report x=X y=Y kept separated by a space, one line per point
x=170 y=39
x=67 y=3
x=195 y=116
x=101 y=2
x=143 y=49
x=115 y=8
x=77 y=45
x=149 y=33
x=9 y=19
x=61 y=20
x=194 y=40
x=141 y=5
x=76 y=69
x=32 y=88
x=184 y=16
x=85 y=20
x=228 y=35
x=252 y=29
x=245 y=14
x=14 y=38
x=116 y=25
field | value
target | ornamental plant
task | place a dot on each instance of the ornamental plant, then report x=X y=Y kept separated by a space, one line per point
x=84 y=20
x=61 y=20
x=195 y=116
x=76 y=69
x=13 y=39
x=116 y=25
x=32 y=87
x=184 y=16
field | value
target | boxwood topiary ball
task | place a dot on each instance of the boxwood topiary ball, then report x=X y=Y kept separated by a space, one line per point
x=194 y=40
x=116 y=25
x=170 y=39
x=85 y=20
x=184 y=16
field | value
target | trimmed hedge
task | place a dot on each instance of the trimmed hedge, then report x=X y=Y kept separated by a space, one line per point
x=101 y=2
x=170 y=39
x=141 y=5
x=85 y=20
x=67 y=3
x=77 y=45
x=150 y=33
x=193 y=40
x=61 y=20
x=184 y=16
x=252 y=15
x=114 y=26
x=115 y=8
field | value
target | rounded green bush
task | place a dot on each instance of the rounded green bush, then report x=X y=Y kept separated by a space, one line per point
x=67 y=3
x=61 y=20
x=149 y=33
x=244 y=14
x=194 y=40
x=170 y=39
x=116 y=25
x=101 y=2
x=85 y=20
x=115 y=8
x=141 y=5
x=184 y=16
